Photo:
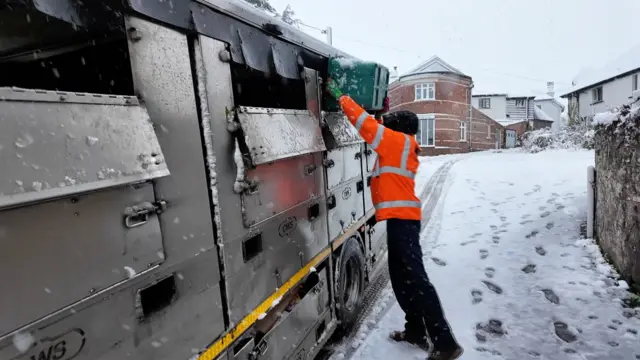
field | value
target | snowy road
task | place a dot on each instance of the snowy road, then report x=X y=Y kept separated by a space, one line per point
x=503 y=248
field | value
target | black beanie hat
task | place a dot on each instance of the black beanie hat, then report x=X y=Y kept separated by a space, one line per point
x=403 y=121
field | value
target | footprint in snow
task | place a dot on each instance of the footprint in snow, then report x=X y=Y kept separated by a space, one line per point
x=612 y=327
x=632 y=331
x=542 y=208
x=529 y=269
x=491 y=351
x=438 y=262
x=562 y=331
x=551 y=296
x=545 y=214
x=492 y=328
x=493 y=287
x=533 y=233
x=505 y=224
x=493 y=227
x=489 y=272
x=465 y=243
x=525 y=216
x=616 y=321
x=476 y=296
x=484 y=254
x=476 y=235
x=503 y=218
x=496 y=239
x=525 y=222
x=541 y=251
x=550 y=225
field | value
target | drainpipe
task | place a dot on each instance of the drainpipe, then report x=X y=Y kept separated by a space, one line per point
x=526 y=114
x=470 y=117
x=591 y=203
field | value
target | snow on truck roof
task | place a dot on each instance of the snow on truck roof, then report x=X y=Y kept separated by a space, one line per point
x=185 y=14
x=627 y=62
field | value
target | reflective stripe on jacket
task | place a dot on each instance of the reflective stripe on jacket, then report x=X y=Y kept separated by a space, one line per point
x=393 y=178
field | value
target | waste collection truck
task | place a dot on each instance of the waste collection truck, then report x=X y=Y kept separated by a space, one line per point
x=174 y=184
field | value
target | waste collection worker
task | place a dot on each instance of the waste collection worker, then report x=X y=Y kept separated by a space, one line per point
x=392 y=192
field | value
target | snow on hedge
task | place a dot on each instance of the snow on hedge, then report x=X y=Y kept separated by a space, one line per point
x=579 y=136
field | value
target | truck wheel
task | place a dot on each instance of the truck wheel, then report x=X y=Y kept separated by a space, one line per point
x=350 y=280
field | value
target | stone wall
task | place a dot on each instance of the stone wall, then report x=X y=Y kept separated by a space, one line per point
x=617 y=222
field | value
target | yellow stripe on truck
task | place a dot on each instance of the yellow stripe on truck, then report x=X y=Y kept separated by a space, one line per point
x=223 y=343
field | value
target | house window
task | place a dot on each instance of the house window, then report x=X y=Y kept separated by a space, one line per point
x=463 y=131
x=426 y=135
x=485 y=103
x=634 y=82
x=520 y=103
x=596 y=94
x=425 y=91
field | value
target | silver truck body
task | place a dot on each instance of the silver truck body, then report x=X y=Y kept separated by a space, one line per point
x=168 y=212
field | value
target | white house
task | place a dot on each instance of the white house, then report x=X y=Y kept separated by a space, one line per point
x=539 y=111
x=602 y=89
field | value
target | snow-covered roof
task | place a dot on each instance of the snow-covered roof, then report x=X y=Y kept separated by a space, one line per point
x=539 y=114
x=547 y=97
x=434 y=64
x=627 y=62
x=544 y=97
x=506 y=122
x=488 y=95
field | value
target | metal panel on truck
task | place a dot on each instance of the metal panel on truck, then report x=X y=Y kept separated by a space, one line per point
x=162 y=75
x=56 y=144
x=155 y=316
x=262 y=262
x=80 y=246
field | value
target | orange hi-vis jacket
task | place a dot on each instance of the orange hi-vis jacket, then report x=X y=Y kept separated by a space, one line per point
x=393 y=178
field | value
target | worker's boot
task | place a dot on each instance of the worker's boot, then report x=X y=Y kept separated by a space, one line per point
x=446 y=354
x=420 y=341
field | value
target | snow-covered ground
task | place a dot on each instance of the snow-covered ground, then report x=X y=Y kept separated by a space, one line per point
x=503 y=249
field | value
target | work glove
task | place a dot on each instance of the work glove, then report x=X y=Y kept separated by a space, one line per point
x=333 y=90
x=385 y=105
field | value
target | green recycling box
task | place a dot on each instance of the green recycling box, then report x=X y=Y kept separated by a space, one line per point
x=365 y=82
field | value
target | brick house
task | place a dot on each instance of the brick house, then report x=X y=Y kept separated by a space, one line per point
x=441 y=97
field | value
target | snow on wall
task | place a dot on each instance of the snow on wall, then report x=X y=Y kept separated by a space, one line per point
x=618 y=188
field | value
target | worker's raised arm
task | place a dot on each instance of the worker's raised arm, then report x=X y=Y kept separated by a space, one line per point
x=371 y=130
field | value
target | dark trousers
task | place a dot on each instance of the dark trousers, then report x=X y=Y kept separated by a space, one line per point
x=415 y=294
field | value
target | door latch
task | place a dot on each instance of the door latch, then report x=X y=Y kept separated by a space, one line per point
x=138 y=215
x=259 y=350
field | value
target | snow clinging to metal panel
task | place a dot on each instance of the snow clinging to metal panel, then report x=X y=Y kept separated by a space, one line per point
x=274 y=134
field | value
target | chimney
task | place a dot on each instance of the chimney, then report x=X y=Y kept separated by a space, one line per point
x=393 y=76
x=550 y=91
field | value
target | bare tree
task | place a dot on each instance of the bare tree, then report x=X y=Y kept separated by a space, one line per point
x=263 y=5
x=289 y=16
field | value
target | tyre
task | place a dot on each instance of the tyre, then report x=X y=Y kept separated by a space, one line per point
x=350 y=281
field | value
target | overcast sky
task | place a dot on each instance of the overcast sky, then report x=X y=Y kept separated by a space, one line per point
x=512 y=46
